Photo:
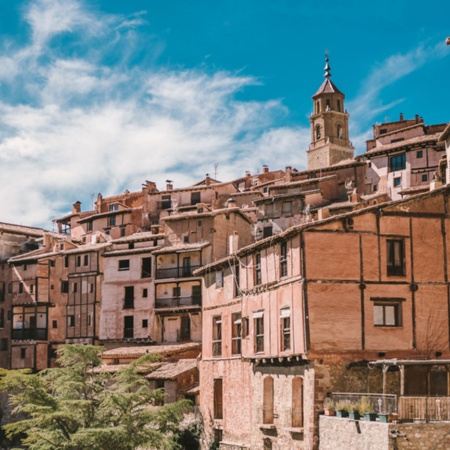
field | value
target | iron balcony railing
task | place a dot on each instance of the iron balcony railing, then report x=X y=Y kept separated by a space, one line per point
x=381 y=403
x=176 y=272
x=21 y=334
x=177 y=302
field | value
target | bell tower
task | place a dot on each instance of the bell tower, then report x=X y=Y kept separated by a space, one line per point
x=329 y=126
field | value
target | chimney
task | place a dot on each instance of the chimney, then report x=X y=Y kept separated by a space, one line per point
x=231 y=203
x=208 y=180
x=233 y=242
x=401 y=117
x=265 y=168
x=98 y=203
x=169 y=185
x=355 y=197
x=150 y=186
x=288 y=174
x=417 y=118
x=76 y=207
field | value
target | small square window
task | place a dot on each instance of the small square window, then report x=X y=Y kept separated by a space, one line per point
x=54 y=323
x=397 y=182
x=387 y=312
x=23 y=353
x=20 y=288
x=420 y=154
x=124 y=264
x=122 y=232
x=144 y=293
x=71 y=320
x=219 y=279
x=144 y=323
x=425 y=177
x=186 y=239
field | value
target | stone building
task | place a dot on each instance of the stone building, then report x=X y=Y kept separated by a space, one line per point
x=295 y=311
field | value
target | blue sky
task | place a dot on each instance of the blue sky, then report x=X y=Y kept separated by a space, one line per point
x=101 y=95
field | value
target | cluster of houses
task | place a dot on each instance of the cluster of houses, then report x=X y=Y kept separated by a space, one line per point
x=267 y=294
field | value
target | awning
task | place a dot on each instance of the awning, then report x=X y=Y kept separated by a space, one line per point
x=284 y=313
x=258 y=314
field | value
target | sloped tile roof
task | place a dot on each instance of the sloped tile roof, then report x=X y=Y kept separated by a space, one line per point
x=137 y=351
x=20 y=229
x=172 y=369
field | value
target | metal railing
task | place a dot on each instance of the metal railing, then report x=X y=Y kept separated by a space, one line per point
x=381 y=403
x=424 y=408
x=176 y=302
x=22 y=334
x=176 y=272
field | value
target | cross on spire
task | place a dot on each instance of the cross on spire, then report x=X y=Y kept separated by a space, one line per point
x=327 y=66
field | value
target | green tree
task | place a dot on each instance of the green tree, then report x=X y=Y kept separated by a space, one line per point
x=75 y=407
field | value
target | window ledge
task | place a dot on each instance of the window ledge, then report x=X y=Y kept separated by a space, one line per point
x=294 y=429
x=267 y=426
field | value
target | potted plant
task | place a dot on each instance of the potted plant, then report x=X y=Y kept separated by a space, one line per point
x=355 y=411
x=366 y=409
x=329 y=407
x=342 y=408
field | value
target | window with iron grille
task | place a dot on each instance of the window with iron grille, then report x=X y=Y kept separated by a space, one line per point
x=257 y=270
x=146 y=267
x=236 y=329
x=285 y=325
x=283 y=259
x=397 y=162
x=258 y=323
x=395 y=257
x=129 y=297
x=217 y=336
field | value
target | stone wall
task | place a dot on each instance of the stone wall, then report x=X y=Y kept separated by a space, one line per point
x=344 y=434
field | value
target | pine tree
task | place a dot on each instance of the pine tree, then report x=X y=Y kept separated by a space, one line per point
x=75 y=407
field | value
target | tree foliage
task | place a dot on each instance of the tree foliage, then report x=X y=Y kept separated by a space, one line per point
x=75 y=407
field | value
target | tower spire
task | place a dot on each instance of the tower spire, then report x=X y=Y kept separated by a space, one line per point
x=327 y=66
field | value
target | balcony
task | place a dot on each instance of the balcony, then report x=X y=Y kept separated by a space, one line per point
x=178 y=302
x=22 y=334
x=176 y=272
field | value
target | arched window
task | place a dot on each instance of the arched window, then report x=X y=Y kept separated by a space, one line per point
x=339 y=130
x=268 y=400
x=317 y=107
x=318 y=132
x=297 y=402
x=328 y=104
x=339 y=105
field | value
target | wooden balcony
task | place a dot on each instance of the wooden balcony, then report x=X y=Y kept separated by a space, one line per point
x=424 y=409
x=176 y=272
x=178 y=302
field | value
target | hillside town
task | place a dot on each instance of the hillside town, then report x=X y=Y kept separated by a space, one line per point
x=271 y=297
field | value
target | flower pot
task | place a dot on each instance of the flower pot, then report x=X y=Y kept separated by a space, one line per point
x=370 y=416
x=329 y=412
x=355 y=415
x=383 y=417
x=341 y=413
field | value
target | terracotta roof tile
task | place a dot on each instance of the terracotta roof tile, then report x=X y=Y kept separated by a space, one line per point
x=137 y=351
x=171 y=370
x=20 y=229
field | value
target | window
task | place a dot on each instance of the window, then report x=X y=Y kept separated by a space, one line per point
x=124 y=264
x=112 y=221
x=20 y=288
x=10 y=289
x=165 y=202
x=375 y=187
x=297 y=402
x=419 y=154
x=237 y=290
x=339 y=131
x=92 y=288
x=86 y=260
x=2 y=318
x=129 y=297
x=66 y=261
x=89 y=320
x=187 y=271
x=387 y=312
x=128 y=327
x=257 y=270
x=285 y=325
x=236 y=328
x=197 y=295
x=218 y=398
x=393 y=141
x=123 y=232
x=258 y=324
x=75 y=287
x=395 y=257
x=283 y=259
x=317 y=132
x=71 y=320
x=176 y=292
x=217 y=336
x=268 y=400
x=113 y=207
x=146 y=268
x=424 y=177
x=339 y=105
x=89 y=225
x=397 y=162
x=3 y=344
x=25 y=267
x=54 y=324
x=23 y=353
x=219 y=279
x=144 y=293
x=78 y=261
x=186 y=239
x=195 y=198
x=267 y=231
x=31 y=288
x=286 y=208
x=383 y=131
x=144 y=323
x=397 y=182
